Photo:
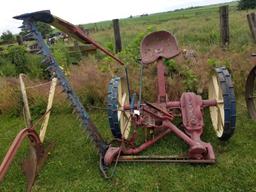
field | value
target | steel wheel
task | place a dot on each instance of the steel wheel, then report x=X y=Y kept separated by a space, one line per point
x=223 y=115
x=119 y=120
x=250 y=93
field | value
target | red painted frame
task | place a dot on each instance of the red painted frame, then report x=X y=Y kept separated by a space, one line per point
x=190 y=106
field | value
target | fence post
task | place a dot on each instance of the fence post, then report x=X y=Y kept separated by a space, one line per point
x=77 y=48
x=118 y=43
x=224 y=25
x=19 y=40
x=252 y=24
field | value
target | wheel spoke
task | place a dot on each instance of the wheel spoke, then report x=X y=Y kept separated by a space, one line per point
x=119 y=115
x=123 y=99
x=216 y=87
x=221 y=113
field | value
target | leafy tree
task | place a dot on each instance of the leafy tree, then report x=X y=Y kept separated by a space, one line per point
x=246 y=4
x=7 y=36
x=17 y=56
x=44 y=29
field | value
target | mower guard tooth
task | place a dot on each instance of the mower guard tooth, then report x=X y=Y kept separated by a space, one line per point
x=45 y=61
x=29 y=36
x=23 y=27
x=39 y=52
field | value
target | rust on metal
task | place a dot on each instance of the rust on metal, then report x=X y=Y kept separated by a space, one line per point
x=161 y=159
x=23 y=134
x=36 y=157
x=77 y=33
x=158 y=44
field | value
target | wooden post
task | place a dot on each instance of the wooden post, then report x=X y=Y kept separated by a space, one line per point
x=252 y=24
x=95 y=27
x=77 y=48
x=19 y=40
x=224 y=25
x=27 y=114
x=48 y=110
x=118 y=43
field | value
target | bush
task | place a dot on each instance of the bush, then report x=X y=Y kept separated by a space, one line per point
x=16 y=60
x=246 y=4
x=36 y=69
x=17 y=56
x=61 y=55
x=6 y=67
x=7 y=36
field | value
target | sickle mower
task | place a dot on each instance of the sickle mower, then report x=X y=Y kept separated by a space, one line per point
x=127 y=116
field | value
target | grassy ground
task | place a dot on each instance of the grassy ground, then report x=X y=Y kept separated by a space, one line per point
x=73 y=164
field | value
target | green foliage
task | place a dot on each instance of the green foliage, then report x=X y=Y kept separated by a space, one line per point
x=7 y=36
x=38 y=107
x=17 y=56
x=246 y=4
x=36 y=70
x=60 y=53
x=110 y=46
x=44 y=28
x=234 y=171
x=130 y=54
x=6 y=67
x=189 y=78
x=16 y=60
x=171 y=66
x=213 y=62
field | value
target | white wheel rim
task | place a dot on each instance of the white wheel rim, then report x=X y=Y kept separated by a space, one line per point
x=216 y=112
x=123 y=116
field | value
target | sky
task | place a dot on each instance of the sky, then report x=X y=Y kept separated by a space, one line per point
x=84 y=11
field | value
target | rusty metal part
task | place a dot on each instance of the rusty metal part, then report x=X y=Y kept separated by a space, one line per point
x=191 y=106
x=80 y=35
x=36 y=157
x=74 y=31
x=23 y=134
x=162 y=159
x=158 y=109
x=161 y=85
x=34 y=162
x=29 y=167
x=113 y=151
x=159 y=115
x=160 y=44
x=250 y=92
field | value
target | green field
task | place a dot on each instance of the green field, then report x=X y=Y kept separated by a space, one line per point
x=73 y=164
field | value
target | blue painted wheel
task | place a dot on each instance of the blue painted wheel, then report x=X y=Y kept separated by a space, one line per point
x=223 y=115
x=119 y=120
